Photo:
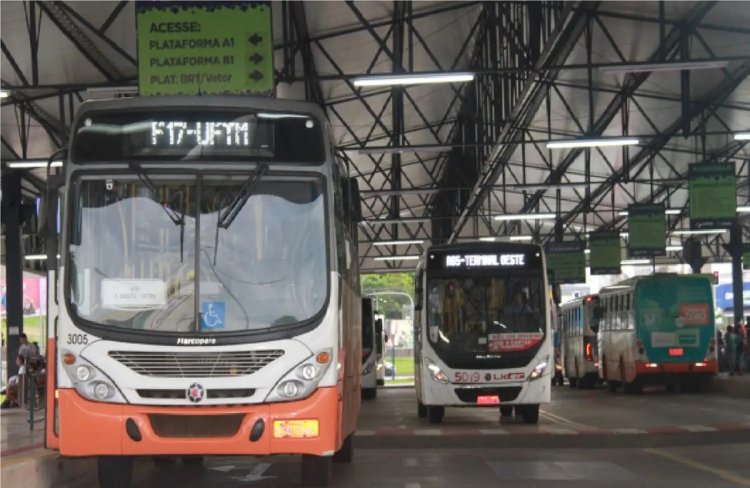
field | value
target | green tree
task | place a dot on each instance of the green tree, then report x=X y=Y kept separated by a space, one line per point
x=400 y=282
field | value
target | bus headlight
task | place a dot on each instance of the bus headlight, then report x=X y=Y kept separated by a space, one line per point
x=539 y=369
x=435 y=371
x=302 y=380
x=90 y=382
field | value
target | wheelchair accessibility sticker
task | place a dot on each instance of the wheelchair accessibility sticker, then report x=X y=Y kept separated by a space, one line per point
x=212 y=315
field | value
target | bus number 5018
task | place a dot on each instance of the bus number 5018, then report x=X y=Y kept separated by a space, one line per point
x=464 y=377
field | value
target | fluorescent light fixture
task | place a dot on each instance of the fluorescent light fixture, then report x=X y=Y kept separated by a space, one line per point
x=397 y=243
x=540 y=216
x=279 y=115
x=413 y=79
x=33 y=163
x=633 y=262
x=401 y=149
x=396 y=258
x=35 y=257
x=679 y=66
x=488 y=239
x=674 y=248
x=4 y=93
x=521 y=238
x=624 y=235
x=743 y=209
x=587 y=251
x=113 y=91
x=689 y=232
x=602 y=142
x=669 y=211
x=742 y=136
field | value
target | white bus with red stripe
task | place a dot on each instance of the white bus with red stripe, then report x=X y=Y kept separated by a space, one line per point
x=579 y=325
x=482 y=330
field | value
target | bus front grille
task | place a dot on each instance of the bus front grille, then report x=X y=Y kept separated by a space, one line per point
x=181 y=394
x=505 y=393
x=195 y=364
x=195 y=425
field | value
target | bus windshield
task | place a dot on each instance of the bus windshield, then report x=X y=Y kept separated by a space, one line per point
x=486 y=314
x=156 y=257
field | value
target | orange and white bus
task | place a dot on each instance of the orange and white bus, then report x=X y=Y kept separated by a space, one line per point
x=206 y=300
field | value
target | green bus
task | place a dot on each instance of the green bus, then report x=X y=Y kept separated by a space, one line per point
x=657 y=329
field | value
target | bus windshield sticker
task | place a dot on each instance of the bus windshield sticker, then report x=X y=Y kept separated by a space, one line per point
x=117 y=293
x=513 y=342
x=212 y=315
x=663 y=339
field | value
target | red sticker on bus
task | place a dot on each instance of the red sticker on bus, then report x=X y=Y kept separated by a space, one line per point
x=695 y=314
x=513 y=342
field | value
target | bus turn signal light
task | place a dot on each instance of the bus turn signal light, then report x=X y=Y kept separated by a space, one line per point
x=323 y=357
x=69 y=358
x=589 y=352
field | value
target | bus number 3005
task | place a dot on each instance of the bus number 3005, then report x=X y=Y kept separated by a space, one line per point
x=81 y=339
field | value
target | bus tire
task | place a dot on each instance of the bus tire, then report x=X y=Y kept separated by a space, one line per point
x=573 y=382
x=316 y=470
x=530 y=414
x=345 y=454
x=506 y=411
x=634 y=388
x=421 y=410
x=369 y=393
x=115 y=471
x=435 y=414
x=612 y=386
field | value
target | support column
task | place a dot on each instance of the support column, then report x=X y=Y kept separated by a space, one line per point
x=11 y=218
x=735 y=249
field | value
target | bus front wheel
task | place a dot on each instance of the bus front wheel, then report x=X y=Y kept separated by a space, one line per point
x=115 y=471
x=316 y=470
x=573 y=382
x=435 y=414
x=506 y=411
x=345 y=454
x=530 y=414
x=421 y=410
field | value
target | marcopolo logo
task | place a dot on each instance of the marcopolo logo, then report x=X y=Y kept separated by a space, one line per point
x=196 y=341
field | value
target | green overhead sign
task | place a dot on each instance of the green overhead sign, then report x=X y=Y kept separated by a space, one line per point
x=713 y=195
x=647 y=230
x=605 y=253
x=204 y=48
x=566 y=262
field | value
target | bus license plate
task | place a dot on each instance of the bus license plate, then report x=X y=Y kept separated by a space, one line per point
x=488 y=400
x=295 y=429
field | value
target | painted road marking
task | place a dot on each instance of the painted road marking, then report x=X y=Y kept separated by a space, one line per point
x=364 y=432
x=560 y=470
x=558 y=430
x=412 y=485
x=562 y=420
x=410 y=462
x=493 y=431
x=427 y=432
x=628 y=431
x=697 y=428
x=721 y=473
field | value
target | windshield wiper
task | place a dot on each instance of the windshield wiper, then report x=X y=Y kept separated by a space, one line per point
x=175 y=217
x=226 y=217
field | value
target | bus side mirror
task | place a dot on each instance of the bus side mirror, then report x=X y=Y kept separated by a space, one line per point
x=355 y=200
x=418 y=291
x=379 y=336
x=598 y=312
x=48 y=230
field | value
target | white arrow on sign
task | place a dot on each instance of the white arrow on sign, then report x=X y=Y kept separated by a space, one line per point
x=256 y=474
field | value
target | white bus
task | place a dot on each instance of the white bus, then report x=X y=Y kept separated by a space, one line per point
x=482 y=330
x=580 y=325
x=371 y=350
x=381 y=339
x=207 y=294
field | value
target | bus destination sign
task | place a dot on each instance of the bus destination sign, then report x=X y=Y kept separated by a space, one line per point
x=484 y=260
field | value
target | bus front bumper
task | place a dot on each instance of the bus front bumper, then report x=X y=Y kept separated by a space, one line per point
x=509 y=393
x=89 y=428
